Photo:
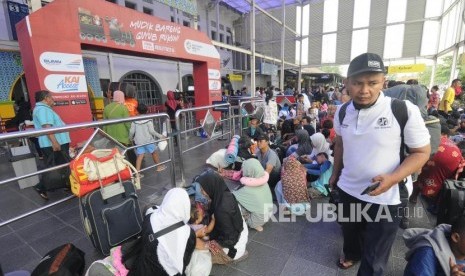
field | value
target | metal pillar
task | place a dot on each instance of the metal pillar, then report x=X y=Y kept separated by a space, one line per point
x=299 y=80
x=453 y=71
x=283 y=37
x=252 y=48
x=179 y=77
x=110 y=66
x=433 y=71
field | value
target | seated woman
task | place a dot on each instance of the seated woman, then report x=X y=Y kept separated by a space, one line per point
x=319 y=144
x=441 y=166
x=291 y=191
x=230 y=230
x=173 y=253
x=303 y=146
x=255 y=196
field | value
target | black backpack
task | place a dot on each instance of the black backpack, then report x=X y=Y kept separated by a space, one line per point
x=416 y=94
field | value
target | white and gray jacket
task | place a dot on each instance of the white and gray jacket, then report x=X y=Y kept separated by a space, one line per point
x=143 y=132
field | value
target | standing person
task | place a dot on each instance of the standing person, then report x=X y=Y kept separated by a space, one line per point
x=370 y=129
x=144 y=133
x=445 y=106
x=51 y=144
x=270 y=115
x=119 y=131
x=130 y=100
x=172 y=105
x=117 y=110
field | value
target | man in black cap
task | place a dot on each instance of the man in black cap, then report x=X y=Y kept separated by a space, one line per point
x=254 y=130
x=367 y=154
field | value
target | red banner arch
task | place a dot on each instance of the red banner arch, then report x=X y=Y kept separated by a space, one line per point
x=51 y=40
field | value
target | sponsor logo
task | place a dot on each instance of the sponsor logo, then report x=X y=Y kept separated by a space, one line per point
x=214 y=74
x=69 y=83
x=55 y=61
x=214 y=85
x=374 y=63
x=66 y=83
x=147 y=45
x=52 y=62
x=200 y=49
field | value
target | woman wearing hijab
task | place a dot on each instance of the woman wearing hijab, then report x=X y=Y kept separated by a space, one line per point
x=230 y=229
x=291 y=191
x=255 y=197
x=303 y=146
x=171 y=253
x=319 y=144
x=116 y=110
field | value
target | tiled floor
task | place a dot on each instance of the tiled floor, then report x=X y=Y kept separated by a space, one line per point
x=292 y=248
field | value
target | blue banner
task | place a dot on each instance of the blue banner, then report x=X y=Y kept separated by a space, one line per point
x=16 y=12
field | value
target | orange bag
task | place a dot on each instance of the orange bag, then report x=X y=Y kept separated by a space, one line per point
x=81 y=185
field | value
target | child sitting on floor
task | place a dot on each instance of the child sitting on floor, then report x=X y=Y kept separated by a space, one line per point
x=197 y=219
x=143 y=133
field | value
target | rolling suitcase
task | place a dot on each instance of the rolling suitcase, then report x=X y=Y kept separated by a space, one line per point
x=451 y=202
x=111 y=215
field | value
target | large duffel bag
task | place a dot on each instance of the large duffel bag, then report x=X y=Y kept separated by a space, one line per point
x=99 y=168
x=111 y=215
x=451 y=202
x=65 y=260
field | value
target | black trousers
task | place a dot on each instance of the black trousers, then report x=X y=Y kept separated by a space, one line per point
x=51 y=157
x=369 y=240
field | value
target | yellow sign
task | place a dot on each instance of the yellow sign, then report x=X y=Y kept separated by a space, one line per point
x=233 y=77
x=409 y=68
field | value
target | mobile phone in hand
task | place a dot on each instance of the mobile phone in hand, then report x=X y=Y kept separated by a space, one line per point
x=370 y=188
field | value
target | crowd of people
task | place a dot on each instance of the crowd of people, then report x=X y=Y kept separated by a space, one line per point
x=333 y=139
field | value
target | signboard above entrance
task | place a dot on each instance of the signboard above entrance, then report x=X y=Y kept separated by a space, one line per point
x=409 y=68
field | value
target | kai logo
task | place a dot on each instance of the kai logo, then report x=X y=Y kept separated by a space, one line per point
x=69 y=83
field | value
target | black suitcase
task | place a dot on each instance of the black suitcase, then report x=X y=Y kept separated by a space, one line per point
x=451 y=201
x=111 y=215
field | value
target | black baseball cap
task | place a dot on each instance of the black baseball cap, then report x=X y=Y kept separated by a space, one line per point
x=364 y=63
x=263 y=137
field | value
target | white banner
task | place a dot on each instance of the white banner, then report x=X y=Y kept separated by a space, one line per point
x=62 y=62
x=66 y=83
x=200 y=49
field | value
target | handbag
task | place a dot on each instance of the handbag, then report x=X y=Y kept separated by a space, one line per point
x=56 y=179
x=103 y=163
x=163 y=144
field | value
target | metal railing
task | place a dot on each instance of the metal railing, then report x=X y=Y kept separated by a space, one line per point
x=5 y=137
x=180 y=132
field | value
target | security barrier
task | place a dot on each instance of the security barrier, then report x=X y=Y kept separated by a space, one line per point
x=5 y=137
x=214 y=136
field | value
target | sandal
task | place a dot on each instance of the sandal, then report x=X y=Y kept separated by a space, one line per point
x=345 y=264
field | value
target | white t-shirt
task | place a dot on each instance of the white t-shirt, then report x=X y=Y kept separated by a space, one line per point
x=371 y=142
